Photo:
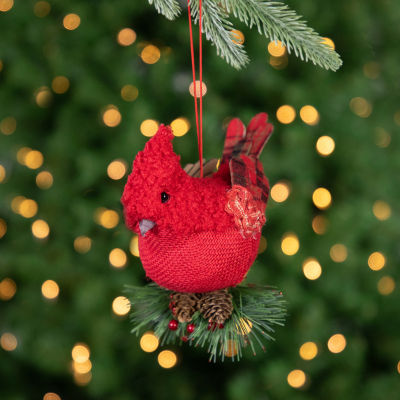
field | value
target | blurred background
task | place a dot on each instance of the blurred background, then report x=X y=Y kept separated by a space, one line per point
x=83 y=84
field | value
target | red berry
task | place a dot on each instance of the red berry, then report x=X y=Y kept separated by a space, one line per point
x=173 y=325
x=190 y=328
x=221 y=326
x=184 y=338
x=211 y=326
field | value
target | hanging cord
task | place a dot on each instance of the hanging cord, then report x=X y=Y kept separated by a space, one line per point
x=199 y=118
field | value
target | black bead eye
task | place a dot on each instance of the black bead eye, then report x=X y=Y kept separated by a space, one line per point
x=164 y=197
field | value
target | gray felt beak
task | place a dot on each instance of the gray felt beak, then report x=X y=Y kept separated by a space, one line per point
x=145 y=225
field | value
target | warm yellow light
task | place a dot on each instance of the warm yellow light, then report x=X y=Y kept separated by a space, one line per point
x=276 y=48
x=111 y=116
x=231 y=348
x=149 y=127
x=308 y=350
x=381 y=210
x=285 y=114
x=50 y=289
x=386 y=285
x=237 y=36
x=107 y=218
x=82 y=244
x=180 y=126
x=338 y=252
x=244 y=326
x=398 y=367
x=376 y=261
x=372 y=70
x=8 y=125
x=60 y=84
x=121 y=305
x=117 y=258
x=6 y=5
x=325 y=145
x=382 y=138
x=322 y=198
x=262 y=245
x=290 y=244
x=150 y=54
x=3 y=227
x=296 y=378
x=82 y=379
x=8 y=341
x=71 y=21
x=203 y=86
x=51 y=396
x=8 y=288
x=319 y=224
x=167 y=359
x=28 y=208
x=117 y=169
x=280 y=192
x=80 y=352
x=149 y=342
x=16 y=203
x=82 y=367
x=44 y=180
x=34 y=159
x=2 y=173
x=129 y=92
x=336 y=343
x=40 y=229
x=312 y=269
x=43 y=97
x=329 y=42
x=361 y=107
x=126 y=37
x=279 y=62
x=21 y=154
x=309 y=115
x=41 y=9
x=134 y=246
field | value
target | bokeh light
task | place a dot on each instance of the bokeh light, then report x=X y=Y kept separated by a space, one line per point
x=280 y=192
x=82 y=379
x=8 y=288
x=285 y=114
x=8 y=125
x=71 y=21
x=203 y=86
x=308 y=351
x=290 y=244
x=3 y=227
x=121 y=305
x=309 y=115
x=129 y=92
x=276 y=48
x=28 y=208
x=51 y=395
x=80 y=352
x=386 y=285
x=16 y=203
x=8 y=341
x=2 y=173
x=180 y=126
x=244 y=326
x=60 y=84
x=231 y=349
x=43 y=97
x=33 y=159
x=237 y=36
x=150 y=54
x=372 y=70
x=134 y=246
x=381 y=210
x=6 y=5
x=40 y=229
x=82 y=367
x=41 y=9
x=338 y=252
x=312 y=269
x=262 y=245
x=50 y=289
x=361 y=107
x=126 y=37
x=167 y=359
x=21 y=154
x=322 y=198
x=106 y=218
x=382 y=138
x=336 y=343
x=325 y=145
x=149 y=342
x=111 y=116
x=149 y=127
x=82 y=244
x=319 y=224
x=329 y=42
x=279 y=62
x=44 y=180
x=376 y=261
x=117 y=258
x=296 y=378
x=117 y=169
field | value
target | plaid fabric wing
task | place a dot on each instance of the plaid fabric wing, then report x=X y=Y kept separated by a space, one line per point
x=234 y=139
x=258 y=133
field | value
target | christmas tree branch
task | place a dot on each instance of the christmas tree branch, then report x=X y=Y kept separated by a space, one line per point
x=273 y=19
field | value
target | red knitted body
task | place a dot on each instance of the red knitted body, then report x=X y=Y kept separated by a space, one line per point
x=200 y=262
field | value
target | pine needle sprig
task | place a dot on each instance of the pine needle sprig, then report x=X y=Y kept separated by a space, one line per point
x=169 y=8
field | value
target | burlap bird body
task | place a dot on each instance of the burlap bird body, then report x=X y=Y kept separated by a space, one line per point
x=199 y=234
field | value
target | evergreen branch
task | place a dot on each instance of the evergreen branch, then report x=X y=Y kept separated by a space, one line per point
x=278 y=22
x=169 y=8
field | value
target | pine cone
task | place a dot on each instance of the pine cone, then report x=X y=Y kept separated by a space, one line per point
x=216 y=306
x=184 y=305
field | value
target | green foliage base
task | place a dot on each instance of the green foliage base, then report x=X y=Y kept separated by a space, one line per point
x=256 y=310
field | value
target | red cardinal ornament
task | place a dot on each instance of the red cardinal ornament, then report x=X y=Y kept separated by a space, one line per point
x=199 y=234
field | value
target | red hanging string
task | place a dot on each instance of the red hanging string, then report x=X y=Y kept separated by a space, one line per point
x=199 y=119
